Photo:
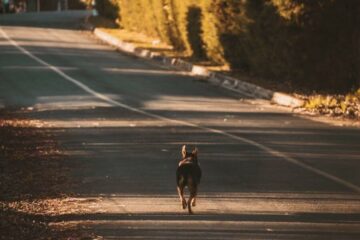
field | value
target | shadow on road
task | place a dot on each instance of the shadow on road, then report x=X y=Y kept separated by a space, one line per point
x=52 y=19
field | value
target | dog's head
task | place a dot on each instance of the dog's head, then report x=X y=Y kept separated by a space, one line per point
x=190 y=156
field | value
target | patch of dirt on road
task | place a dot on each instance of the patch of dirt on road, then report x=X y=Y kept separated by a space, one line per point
x=31 y=171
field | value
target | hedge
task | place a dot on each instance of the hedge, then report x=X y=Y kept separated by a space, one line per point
x=312 y=43
x=108 y=8
x=52 y=5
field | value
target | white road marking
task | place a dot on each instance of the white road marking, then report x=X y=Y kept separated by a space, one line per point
x=34 y=68
x=273 y=152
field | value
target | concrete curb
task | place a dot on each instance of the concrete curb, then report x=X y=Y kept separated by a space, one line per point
x=230 y=83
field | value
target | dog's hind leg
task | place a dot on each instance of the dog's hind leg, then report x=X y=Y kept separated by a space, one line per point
x=192 y=198
x=181 y=195
x=193 y=201
x=189 y=205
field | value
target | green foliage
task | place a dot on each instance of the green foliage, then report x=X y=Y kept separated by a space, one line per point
x=187 y=20
x=108 y=8
x=311 y=43
x=46 y=5
x=144 y=16
x=77 y=4
x=210 y=36
x=194 y=31
x=167 y=20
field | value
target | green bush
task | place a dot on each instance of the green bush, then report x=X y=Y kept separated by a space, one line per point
x=311 y=43
x=46 y=5
x=108 y=8
x=77 y=4
x=187 y=20
x=210 y=36
x=172 y=21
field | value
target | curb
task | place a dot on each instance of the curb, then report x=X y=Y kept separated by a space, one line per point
x=230 y=83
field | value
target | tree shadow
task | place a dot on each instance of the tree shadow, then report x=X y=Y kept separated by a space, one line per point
x=53 y=20
x=194 y=32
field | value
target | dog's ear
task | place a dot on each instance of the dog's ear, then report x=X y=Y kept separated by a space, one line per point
x=195 y=152
x=183 y=151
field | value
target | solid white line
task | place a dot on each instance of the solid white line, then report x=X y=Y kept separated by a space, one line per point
x=183 y=123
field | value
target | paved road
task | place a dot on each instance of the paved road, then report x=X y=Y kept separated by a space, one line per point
x=122 y=121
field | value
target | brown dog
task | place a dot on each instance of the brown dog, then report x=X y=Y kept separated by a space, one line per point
x=188 y=174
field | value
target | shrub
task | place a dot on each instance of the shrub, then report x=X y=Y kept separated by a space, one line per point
x=312 y=43
x=108 y=8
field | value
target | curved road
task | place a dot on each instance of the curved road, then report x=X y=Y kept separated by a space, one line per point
x=268 y=174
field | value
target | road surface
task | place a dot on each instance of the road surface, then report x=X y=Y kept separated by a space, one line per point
x=267 y=173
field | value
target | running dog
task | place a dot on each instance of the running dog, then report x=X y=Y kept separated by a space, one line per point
x=188 y=174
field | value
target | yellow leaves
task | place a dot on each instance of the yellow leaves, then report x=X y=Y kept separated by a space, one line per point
x=343 y=107
x=29 y=219
x=287 y=8
x=335 y=105
x=20 y=123
x=29 y=159
x=32 y=181
x=357 y=93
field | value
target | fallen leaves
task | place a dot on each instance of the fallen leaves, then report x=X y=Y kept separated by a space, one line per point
x=347 y=106
x=14 y=225
x=31 y=171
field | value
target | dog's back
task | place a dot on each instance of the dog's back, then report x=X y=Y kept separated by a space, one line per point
x=188 y=174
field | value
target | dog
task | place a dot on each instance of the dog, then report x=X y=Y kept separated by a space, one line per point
x=188 y=174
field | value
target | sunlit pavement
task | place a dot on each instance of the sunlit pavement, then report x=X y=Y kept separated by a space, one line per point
x=122 y=121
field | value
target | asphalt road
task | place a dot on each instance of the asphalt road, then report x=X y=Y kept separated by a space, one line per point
x=267 y=174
